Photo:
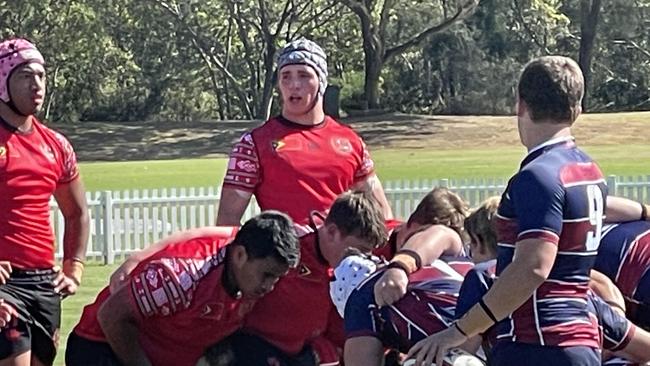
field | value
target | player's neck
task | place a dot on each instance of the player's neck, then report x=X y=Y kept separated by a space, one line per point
x=228 y=277
x=538 y=133
x=19 y=123
x=313 y=117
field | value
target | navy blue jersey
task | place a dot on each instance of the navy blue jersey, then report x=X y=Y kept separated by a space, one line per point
x=557 y=196
x=624 y=257
x=427 y=308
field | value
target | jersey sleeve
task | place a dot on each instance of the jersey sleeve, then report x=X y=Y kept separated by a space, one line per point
x=539 y=202
x=360 y=315
x=162 y=289
x=617 y=330
x=70 y=169
x=474 y=287
x=367 y=166
x=243 y=171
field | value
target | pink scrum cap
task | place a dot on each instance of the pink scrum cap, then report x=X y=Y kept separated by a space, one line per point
x=14 y=53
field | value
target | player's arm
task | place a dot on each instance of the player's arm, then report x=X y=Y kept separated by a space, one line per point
x=363 y=351
x=71 y=199
x=638 y=350
x=232 y=204
x=621 y=209
x=373 y=184
x=531 y=266
x=119 y=321
x=242 y=176
x=420 y=249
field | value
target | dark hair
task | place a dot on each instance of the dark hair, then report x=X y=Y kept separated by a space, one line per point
x=271 y=233
x=358 y=213
x=552 y=87
x=441 y=207
x=480 y=223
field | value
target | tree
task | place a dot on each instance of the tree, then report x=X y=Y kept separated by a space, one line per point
x=589 y=12
x=374 y=30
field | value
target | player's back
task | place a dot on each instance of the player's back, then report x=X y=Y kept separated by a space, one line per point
x=428 y=306
x=624 y=257
x=563 y=192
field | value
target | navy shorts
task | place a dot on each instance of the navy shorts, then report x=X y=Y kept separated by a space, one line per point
x=83 y=352
x=517 y=354
x=36 y=328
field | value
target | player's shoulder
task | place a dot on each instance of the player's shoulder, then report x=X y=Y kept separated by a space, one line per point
x=53 y=134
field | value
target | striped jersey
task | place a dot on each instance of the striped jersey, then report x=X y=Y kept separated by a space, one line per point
x=557 y=196
x=428 y=306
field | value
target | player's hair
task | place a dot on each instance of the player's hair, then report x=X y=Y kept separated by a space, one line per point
x=552 y=87
x=441 y=207
x=480 y=223
x=271 y=233
x=358 y=213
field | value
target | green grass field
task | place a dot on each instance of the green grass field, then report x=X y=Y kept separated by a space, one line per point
x=391 y=164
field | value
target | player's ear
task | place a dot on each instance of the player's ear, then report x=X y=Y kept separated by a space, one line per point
x=239 y=255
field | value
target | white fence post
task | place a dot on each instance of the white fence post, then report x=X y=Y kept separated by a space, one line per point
x=107 y=207
x=124 y=223
x=611 y=185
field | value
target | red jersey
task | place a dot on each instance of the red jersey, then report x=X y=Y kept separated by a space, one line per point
x=180 y=300
x=297 y=309
x=298 y=169
x=32 y=166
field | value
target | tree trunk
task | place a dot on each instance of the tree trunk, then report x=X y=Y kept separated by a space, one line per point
x=374 y=64
x=589 y=12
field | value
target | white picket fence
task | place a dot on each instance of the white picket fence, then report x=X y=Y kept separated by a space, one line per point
x=123 y=222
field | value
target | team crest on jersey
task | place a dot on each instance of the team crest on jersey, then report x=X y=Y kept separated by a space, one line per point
x=341 y=145
x=277 y=144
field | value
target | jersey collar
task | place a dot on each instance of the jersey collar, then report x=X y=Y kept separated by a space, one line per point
x=545 y=146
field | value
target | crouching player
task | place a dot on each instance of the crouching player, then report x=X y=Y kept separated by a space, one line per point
x=193 y=292
x=617 y=334
x=428 y=307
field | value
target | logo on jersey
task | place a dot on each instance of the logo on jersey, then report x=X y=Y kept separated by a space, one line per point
x=341 y=145
x=3 y=151
x=304 y=271
x=246 y=166
x=277 y=144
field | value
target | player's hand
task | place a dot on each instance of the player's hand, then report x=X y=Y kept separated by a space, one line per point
x=435 y=346
x=5 y=271
x=7 y=313
x=391 y=287
x=121 y=274
x=65 y=285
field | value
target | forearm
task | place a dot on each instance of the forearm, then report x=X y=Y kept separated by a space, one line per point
x=515 y=285
x=621 y=209
x=232 y=205
x=123 y=339
x=380 y=196
x=75 y=237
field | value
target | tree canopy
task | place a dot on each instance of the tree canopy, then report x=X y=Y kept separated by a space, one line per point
x=121 y=60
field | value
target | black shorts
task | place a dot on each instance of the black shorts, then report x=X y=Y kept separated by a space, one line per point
x=242 y=349
x=84 y=352
x=36 y=328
